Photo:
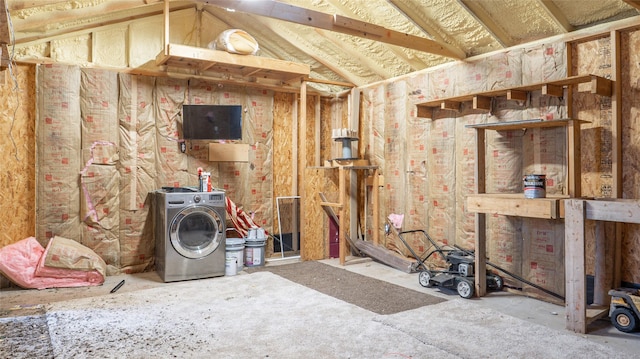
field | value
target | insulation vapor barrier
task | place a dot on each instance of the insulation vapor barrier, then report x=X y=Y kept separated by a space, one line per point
x=128 y=130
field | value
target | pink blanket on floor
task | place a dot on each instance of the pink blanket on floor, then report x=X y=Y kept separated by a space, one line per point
x=64 y=263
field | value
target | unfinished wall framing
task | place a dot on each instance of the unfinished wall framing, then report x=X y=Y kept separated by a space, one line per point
x=531 y=248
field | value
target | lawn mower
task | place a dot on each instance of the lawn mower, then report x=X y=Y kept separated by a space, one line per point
x=623 y=310
x=458 y=276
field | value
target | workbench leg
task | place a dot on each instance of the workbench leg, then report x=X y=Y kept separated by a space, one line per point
x=575 y=280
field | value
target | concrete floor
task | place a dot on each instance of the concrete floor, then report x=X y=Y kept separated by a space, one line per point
x=530 y=310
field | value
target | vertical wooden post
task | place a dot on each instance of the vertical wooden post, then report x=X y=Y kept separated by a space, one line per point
x=616 y=150
x=375 y=202
x=303 y=165
x=295 y=159
x=166 y=14
x=318 y=127
x=343 y=217
x=353 y=207
x=600 y=290
x=481 y=222
x=575 y=281
x=573 y=161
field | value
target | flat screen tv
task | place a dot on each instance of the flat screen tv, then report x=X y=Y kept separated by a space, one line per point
x=212 y=122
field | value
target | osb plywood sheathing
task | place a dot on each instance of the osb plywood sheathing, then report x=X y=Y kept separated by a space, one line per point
x=284 y=130
x=630 y=112
x=17 y=108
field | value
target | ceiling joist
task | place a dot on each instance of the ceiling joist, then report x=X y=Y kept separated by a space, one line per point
x=302 y=16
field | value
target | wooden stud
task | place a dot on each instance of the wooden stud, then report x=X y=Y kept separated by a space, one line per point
x=616 y=144
x=342 y=248
x=375 y=201
x=303 y=166
x=481 y=223
x=318 y=131
x=574 y=161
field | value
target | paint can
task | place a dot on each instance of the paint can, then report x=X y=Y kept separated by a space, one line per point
x=535 y=186
x=235 y=251
x=254 y=247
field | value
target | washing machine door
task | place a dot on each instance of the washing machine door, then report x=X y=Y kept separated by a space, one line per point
x=196 y=231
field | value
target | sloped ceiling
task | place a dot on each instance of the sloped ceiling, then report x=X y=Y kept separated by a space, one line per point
x=424 y=33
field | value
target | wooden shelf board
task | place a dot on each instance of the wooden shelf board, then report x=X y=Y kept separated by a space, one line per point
x=197 y=58
x=515 y=204
x=599 y=85
x=519 y=125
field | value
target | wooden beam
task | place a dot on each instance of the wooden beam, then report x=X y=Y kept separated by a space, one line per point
x=514 y=204
x=556 y=15
x=429 y=28
x=477 y=11
x=575 y=281
x=317 y=19
x=618 y=210
x=633 y=3
x=24 y=28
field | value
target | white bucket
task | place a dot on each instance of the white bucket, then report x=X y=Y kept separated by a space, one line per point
x=230 y=267
x=235 y=250
x=254 y=247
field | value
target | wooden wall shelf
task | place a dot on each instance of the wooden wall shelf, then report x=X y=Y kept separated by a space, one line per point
x=244 y=66
x=481 y=100
x=551 y=207
x=508 y=204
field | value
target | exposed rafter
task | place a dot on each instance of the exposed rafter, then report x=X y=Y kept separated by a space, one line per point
x=40 y=26
x=634 y=3
x=485 y=20
x=556 y=15
x=427 y=28
x=337 y=23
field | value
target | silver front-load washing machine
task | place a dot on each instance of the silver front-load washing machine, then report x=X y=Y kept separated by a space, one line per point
x=190 y=233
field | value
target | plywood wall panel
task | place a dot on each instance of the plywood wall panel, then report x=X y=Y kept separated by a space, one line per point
x=18 y=144
x=630 y=43
x=594 y=57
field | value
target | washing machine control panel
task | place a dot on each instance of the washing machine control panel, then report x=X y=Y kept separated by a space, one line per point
x=213 y=199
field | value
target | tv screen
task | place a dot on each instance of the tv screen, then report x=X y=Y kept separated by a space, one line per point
x=212 y=122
